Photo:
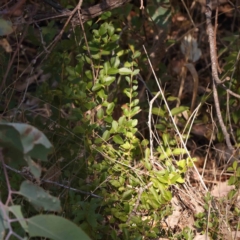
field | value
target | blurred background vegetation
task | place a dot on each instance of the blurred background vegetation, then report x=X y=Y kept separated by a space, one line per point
x=125 y=98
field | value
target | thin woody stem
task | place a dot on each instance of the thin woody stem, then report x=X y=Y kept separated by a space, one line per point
x=216 y=80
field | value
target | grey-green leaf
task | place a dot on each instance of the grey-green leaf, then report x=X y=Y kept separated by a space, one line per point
x=25 y=139
x=39 y=198
x=5 y=27
x=35 y=168
x=55 y=228
x=16 y=210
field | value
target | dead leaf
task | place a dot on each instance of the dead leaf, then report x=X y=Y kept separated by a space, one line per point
x=221 y=189
x=5 y=45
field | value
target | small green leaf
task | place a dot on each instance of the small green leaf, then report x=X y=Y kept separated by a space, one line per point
x=100 y=113
x=178 y=110
x=106 y=135
x=134 y=122
x=167 y=195
x=110 y=30
x=125 y=71
x=55 y=228
x=135 y=111
x=235 y=164
x=95 y=32
x=114 y=125
x=93 y=48
x=102 y=94
x=118 y=139
x=107 y=80
x=96 y=56
x=165 y=138
x=105 y=52
x=232 y=193
x=182 y=164
x=126 y=145
x=127 y=194
x=136 y=54
x=127 y=91
x=135 y=72
x=96 y=87
x=154 y=193
x=172 y=98
x=180 y=180
x=158 y=111
x=106 y=15
x=134 y=89
x=114 y=37
x=112 y=71
x=134 y=103
x=147 y=163
x=178 y=151
x=122 y=120
x=71 y=71
x=115 y=62
x=110 y=108
x=115 y=183
x=153 y=202
x=103 y=29
x=88 y=74
x=128 y=64
x=232 y=180
x=145 y=143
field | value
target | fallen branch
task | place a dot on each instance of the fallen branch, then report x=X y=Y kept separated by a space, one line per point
x=86 y=13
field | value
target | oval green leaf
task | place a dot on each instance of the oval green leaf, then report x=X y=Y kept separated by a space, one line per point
x=125 y=71
x=55 y=228
x=118 y=139
x=178 y=110
x=39 y=198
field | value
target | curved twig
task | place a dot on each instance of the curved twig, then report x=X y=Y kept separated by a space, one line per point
x=216 y=80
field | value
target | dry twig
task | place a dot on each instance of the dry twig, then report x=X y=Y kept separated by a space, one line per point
x=216 y=80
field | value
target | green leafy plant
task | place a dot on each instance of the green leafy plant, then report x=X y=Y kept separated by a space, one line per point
x=99 y=128
x=112 y=180
x=209 y=219
x=19 y=145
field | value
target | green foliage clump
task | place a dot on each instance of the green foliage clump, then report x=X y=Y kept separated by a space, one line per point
x=19 y=145
x=117 y=161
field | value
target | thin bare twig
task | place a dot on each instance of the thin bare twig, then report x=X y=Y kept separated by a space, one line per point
x=211 y=39
x=189 y=15
x=150 y=124
x=216 y=80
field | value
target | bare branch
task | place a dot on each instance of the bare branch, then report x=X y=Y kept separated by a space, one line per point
x=216 y=80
